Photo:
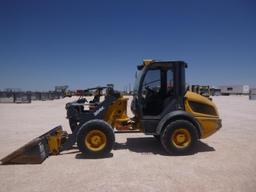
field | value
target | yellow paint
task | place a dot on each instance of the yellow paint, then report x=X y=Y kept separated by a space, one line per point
x=95 y=140
x=191 y=96
x=209 y=123
x=181 y=138
x=117 y=112
x=54 y=142
x=147 y=61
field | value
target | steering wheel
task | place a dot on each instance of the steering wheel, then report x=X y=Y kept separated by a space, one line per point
x=149 y=89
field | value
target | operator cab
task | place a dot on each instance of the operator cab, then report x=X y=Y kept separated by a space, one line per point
x=159 y=89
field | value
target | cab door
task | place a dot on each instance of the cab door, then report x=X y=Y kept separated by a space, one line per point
x=157 y=96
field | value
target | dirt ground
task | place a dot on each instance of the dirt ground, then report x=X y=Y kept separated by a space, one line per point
x=224 y=162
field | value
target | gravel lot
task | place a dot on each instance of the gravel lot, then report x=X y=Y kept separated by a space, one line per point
x=224 y=162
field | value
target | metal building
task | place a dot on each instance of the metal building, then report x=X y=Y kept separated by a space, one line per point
x=235 y=89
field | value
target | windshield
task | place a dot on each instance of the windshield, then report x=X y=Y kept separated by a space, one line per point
x=137 y=81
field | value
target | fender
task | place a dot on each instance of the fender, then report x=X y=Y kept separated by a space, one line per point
x=175 y=115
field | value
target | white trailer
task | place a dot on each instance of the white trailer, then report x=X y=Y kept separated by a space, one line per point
x=235 y=89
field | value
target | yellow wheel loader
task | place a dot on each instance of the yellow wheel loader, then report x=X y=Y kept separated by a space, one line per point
x=161 y=106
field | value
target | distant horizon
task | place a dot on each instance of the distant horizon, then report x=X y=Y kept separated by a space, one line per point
x=74 y=89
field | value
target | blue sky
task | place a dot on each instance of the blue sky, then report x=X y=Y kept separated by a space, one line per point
x=89 y=43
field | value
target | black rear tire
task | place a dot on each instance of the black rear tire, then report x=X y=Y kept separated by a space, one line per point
x=95 y=138
x=179 y=137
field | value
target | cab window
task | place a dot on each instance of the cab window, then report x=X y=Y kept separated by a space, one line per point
x=157 y=89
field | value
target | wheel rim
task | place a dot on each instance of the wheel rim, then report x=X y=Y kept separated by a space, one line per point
x=181 y=138
x=95 y=140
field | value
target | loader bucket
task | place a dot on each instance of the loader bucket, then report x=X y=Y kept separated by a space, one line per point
x=35 y=151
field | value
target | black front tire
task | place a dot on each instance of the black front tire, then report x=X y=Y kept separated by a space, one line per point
x=179 y=137
x=87 y=133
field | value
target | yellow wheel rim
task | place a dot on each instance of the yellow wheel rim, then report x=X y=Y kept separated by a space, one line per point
x=181 y=138
x=95 y=140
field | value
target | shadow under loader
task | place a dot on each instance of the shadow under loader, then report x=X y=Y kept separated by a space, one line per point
x=37 y=150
